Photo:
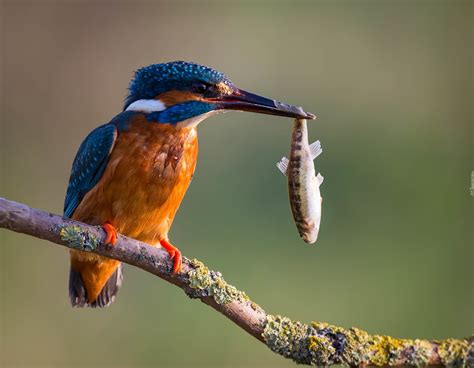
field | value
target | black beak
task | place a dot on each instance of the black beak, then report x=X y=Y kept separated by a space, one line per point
x=246 y=101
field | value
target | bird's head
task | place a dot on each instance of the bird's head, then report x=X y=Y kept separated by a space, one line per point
x=186 y=93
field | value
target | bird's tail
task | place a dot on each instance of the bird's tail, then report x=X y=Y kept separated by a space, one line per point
x=78 y=291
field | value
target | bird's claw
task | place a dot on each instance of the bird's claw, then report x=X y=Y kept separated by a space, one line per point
x=174 y=254
x=111 y=234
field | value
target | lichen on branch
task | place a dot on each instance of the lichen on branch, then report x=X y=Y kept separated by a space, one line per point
x=77 y=237
x=322 y=344
x=206 y=282
x=319 y=344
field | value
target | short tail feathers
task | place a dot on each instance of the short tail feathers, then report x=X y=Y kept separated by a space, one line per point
x=78 y=293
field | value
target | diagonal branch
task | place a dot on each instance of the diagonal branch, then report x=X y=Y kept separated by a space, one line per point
x=315 y=344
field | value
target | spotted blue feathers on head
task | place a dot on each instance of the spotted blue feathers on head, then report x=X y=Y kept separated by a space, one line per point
x=155 y=79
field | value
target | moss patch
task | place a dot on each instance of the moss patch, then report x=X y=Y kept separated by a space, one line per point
x=210 y=283
x=77 y=238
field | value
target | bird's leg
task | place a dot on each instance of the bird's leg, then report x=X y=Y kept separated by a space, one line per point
x=174 y=254
x=111 y=234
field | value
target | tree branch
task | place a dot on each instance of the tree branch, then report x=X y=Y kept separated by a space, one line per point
x=315 y=344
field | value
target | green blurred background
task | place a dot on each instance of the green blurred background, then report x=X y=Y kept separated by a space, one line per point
x=391 y=83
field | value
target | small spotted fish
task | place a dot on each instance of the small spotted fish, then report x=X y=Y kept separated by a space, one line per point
x=303 y=184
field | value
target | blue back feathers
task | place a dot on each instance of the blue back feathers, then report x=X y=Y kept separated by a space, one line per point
x=155 y=79
x=89 y=165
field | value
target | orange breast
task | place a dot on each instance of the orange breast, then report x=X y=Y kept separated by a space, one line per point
x=149 y=171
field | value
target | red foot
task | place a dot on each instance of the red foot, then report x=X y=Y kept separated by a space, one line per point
x=174 y=254
x=111 y=237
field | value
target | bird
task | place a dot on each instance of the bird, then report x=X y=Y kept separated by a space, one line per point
x=130 y=175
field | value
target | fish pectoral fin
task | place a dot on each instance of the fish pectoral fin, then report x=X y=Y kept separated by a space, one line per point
x=315 y=149
x=319 y=179
x=283 y=165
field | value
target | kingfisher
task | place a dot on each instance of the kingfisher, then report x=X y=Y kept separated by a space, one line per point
x=130 y=175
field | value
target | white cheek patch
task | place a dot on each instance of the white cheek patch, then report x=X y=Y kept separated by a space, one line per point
x=147 y=106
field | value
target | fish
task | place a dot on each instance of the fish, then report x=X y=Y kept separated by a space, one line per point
x=303 y=184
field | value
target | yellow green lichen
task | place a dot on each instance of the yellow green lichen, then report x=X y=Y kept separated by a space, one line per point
x=350 y=344
x=422 y=352
x=357 y=346
x=318 y=344
x=199 y=277
x=456 y=353
x=78 y=238
x=287 y=338
x=360 y=348
x=210 y=283
x=385 y=349
x=321 y=349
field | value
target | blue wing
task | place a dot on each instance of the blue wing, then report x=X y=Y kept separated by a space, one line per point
x=89 y=165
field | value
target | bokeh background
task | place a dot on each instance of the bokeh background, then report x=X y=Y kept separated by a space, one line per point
x=391 y=83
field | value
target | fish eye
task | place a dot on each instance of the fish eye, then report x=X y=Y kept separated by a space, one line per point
x=200 y=87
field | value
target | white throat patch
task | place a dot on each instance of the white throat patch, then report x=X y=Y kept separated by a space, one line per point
x=147 y=106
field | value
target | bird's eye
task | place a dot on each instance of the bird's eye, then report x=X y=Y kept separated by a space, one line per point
x=200 y=87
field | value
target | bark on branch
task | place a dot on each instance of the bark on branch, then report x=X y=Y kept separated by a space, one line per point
x=313 y=344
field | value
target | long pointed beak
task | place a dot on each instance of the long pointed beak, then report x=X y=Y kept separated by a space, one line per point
x=246 y=101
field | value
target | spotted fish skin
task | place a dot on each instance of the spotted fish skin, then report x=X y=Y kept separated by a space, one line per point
x=303 y=184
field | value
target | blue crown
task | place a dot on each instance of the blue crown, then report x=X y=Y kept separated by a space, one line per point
x=155 y=79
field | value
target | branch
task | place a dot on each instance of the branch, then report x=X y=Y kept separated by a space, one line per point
x=314 y=344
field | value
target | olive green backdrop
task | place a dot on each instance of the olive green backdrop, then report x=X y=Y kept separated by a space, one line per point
x=391 y=83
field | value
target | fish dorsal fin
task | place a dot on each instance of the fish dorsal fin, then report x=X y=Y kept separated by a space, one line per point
x=319 y=178
x=283 y=165
x=315 y=149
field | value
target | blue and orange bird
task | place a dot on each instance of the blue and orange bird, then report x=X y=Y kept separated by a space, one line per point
x=130 y=175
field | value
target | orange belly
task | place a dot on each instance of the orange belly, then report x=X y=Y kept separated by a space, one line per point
x=148 y=173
